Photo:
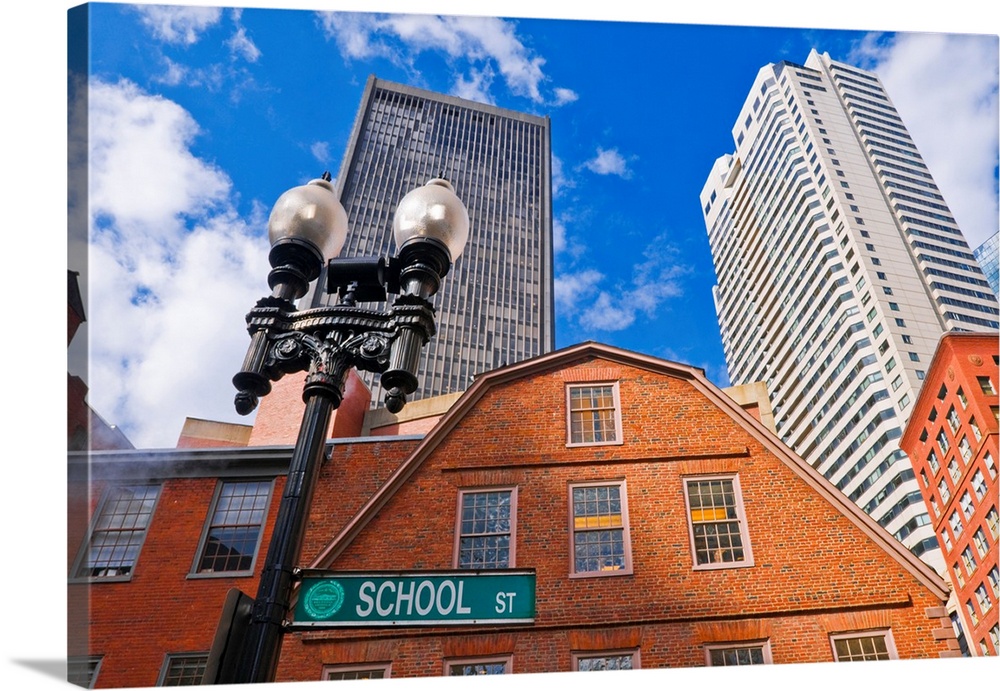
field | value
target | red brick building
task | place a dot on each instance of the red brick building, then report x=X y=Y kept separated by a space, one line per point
x=951 y=439
x=661 y=525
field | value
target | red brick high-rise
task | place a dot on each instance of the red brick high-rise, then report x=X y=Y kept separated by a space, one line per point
x=951 y=439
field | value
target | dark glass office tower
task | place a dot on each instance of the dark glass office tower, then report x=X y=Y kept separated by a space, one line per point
x=495 y=306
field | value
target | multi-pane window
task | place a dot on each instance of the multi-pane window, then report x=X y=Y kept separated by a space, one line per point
x=935 y=507
x=953 y=420
x=82 y=671
x=600 y=662
x=986 y=386
x=118 y=532
x=468 y=668
x=486 y=529
x=994 y=578
x=954 y=471
x=593 y=414
x=995 y=636
x=978 y=433
x=969 y=559
x=946 y=539
x=184 y=670
x=944 y=491
x=350 y=672
x=979 y=539
x=965 y=448
x=961 y=397
x=932 y=463
x=870 y=646
x=955 y=521
x=600 y=529
x=968 y=508
x=718 y=527
x=738 y=655
x=234 y=529
x=979 y=484
x=991 y=465
x=942 y=440
x=992 y=521
x=973 y=614
x=959 y=575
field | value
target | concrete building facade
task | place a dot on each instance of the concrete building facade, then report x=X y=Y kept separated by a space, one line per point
x=656 y=520
x=839 y=266
x=495 y=307
x=952 y=442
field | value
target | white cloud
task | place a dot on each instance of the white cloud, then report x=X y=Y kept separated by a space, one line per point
x=570 y=288
x=477 y=86
x=172 y=269
x=945 y=88
x=613 y=309
x=321 y=151
x=488 y=44
x=241 y=45
x=178 y=24
x=559 y=180
x=564 y=96
x=608 y=162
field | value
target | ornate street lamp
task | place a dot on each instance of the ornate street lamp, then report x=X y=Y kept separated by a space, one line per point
x=307 y=228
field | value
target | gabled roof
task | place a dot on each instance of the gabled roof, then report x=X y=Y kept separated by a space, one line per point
x=696 y=377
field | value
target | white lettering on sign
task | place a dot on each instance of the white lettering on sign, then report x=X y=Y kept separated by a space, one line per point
x=505 y=602
x=393 y=598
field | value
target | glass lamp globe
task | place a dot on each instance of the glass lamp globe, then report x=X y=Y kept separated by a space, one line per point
x=432 y=212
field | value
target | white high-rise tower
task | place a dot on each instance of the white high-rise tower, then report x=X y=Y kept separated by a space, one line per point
x=839 y=266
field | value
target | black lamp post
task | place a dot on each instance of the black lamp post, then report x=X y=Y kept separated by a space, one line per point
x=307 y=227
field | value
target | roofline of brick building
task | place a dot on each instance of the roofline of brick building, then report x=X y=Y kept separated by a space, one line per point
x=563 y=358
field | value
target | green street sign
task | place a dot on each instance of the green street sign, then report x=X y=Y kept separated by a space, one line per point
x=329 y=599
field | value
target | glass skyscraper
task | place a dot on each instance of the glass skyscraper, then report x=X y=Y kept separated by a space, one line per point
x=839 y=266
x=495 y=305
x=988 y=255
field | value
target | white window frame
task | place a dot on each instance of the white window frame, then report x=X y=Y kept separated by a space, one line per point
x=98 y=526
x=617 y=411
x=330 y=670
x=890 y=644
x=764 y=645
x=741 y=518
x=512 y=534
x=506 y=660
x=626 y=537
x=209 y=524
x=979 y=484
x=578 y=655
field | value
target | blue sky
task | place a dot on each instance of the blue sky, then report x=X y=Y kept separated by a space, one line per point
x=200 y=117
x=938 y=88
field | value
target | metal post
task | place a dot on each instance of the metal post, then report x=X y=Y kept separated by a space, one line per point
x=259 y=659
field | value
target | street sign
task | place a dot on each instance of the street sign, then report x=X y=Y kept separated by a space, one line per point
x=328 y=599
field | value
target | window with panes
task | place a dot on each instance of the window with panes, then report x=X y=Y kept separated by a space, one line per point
x=594 y=416
x=184 y=669
x=486 y=529
x=605 y=661
x=234 y=529
x=600 y=536
x=716 y=522
x=478 y=667
x=351 y=672
x=118 y=532
x=738 y=655
x=868 y=646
